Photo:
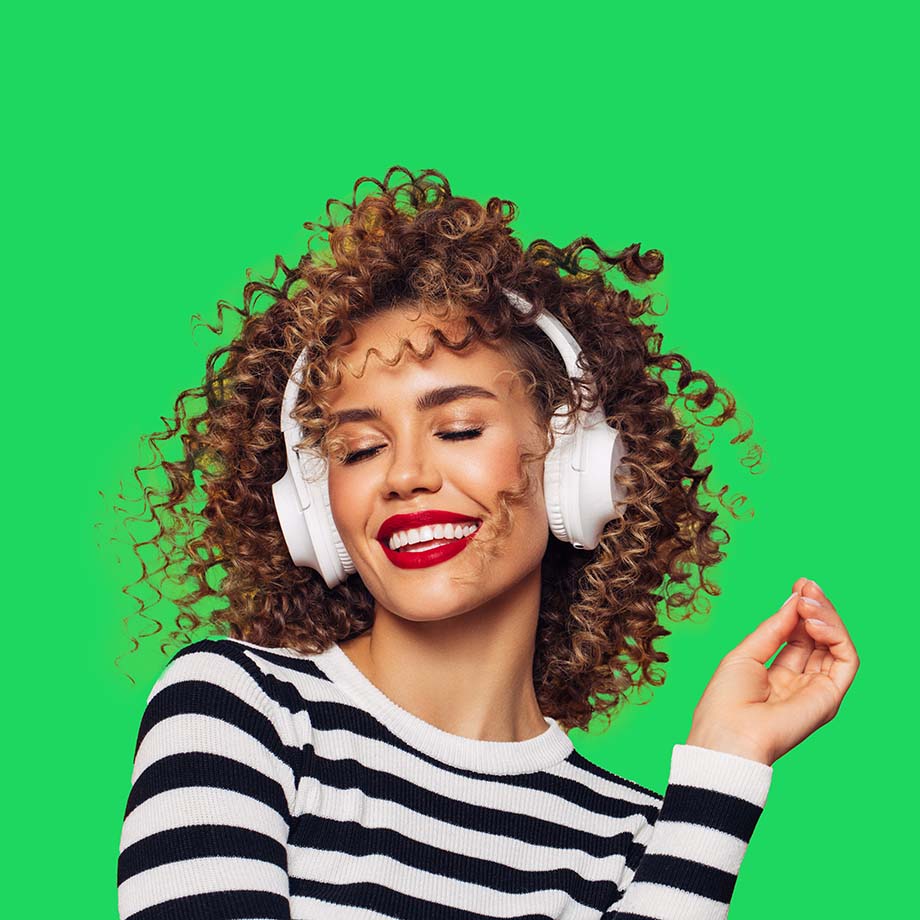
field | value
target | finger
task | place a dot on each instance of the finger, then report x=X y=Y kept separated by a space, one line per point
x=795 y=653
x=811 y=589
x=770 y=634
x=839 y=647
x=820 y=660
x=815 y=604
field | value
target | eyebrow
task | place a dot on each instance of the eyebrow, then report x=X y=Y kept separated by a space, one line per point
x=431 y=399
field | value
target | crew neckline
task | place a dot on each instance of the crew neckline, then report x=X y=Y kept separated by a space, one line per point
x=498 y=757
x=543 y=750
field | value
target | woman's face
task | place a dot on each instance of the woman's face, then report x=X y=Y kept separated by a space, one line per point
x=405 y=456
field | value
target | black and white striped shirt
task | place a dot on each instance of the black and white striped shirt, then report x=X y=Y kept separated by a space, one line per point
x=272 y=784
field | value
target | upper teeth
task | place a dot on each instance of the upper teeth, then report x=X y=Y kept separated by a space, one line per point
x=437 y=532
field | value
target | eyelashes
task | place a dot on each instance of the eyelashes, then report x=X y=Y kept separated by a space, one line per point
x=357 y=456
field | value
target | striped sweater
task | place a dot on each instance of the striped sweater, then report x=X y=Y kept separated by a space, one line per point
x=272 y=784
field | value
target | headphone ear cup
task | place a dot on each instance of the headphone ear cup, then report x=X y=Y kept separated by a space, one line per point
x=581 y=495
x=292 y=518
x=302 y=501
x=596 y=498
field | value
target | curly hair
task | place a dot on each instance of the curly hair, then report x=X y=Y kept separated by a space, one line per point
x=416 y=242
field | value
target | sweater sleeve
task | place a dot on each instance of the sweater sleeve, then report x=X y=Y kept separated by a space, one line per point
x=212 y=792
x=686 y=860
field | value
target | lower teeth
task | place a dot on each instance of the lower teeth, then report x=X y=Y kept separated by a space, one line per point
x=421 y=549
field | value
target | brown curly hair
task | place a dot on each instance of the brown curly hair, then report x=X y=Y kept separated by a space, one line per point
x=408 y=243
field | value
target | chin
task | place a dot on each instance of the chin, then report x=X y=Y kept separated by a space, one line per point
x=427 y=616
x=428 y=607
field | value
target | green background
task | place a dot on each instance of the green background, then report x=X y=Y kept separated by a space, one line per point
x=156 y=153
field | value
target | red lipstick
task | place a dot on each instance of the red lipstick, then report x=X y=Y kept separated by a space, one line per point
x=405 y=559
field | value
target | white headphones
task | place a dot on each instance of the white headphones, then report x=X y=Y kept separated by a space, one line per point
x=581 y=495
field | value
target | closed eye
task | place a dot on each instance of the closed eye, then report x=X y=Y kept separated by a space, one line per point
x=358 y=455
x=461 y=435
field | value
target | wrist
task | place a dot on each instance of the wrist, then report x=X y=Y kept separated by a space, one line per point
x=728 y=744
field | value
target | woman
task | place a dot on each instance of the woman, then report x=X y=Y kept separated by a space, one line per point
x=381 y=731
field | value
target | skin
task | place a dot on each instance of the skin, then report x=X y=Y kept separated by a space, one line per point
x=460 y=657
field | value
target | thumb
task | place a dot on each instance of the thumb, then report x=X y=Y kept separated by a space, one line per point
x=770 y=634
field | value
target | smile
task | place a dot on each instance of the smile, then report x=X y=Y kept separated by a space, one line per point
x=427 y=536
x=429 y=545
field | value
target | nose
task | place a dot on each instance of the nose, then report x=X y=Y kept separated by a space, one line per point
x=412 y=468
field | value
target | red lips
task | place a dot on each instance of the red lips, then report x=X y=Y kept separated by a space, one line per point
x=421 y=560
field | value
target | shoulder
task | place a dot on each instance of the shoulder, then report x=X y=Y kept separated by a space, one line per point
x=222 y=647
x=218 y=662
x=240 y=667
x=234 y=685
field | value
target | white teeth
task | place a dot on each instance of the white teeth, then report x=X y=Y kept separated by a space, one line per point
x=424 y=547
x=428 y=534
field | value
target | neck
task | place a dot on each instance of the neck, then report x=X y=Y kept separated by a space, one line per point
x=470 y=674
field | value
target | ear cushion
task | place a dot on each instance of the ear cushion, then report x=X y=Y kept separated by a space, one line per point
x=554 y=465
x=332 y=539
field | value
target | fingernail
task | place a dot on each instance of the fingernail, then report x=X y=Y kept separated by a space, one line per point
x=811 y=602
x=783 y=604
x=816 y=622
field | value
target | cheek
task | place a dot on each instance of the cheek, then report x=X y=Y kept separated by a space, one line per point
x=345 y=510
x=495 y=467
x=489 y=471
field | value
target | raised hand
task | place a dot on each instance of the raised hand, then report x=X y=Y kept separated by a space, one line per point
x=762 y=712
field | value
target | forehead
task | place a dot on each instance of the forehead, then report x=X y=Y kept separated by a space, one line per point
x=479 y=362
